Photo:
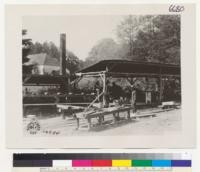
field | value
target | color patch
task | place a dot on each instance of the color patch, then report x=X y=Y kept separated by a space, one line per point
x=161 y=163
x=141 y=163
x=81 y=163
x=102 y=163
x=121 y=163
x=62 y=163
x=181 y=163
x=32 y=163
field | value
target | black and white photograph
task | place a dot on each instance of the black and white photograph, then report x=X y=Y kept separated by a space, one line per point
x=101 y=75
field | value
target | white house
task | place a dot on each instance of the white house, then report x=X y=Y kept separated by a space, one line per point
x=43 y=64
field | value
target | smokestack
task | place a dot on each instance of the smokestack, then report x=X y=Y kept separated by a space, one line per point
x=63 y=54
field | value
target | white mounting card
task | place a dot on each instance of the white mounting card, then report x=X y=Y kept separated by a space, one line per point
x=101 y=76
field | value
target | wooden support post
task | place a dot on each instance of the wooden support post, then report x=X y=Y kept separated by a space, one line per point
x=100 y=119
x=160 y=89
x=98 y=99
x=128 y=114
x=116 y=117
x=77 y=123
x=89 y=123
x=105 y=102
x=133 y=98
x=133 y=93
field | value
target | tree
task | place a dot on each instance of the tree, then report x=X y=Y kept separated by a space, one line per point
x=168 y=34
x=73 y=63
x=36 y=48
x=53 y=50
x=26 y=47
x=105 y=49
x=163 y=43
x=151 y=38
x=47 y=47
x=128 y=29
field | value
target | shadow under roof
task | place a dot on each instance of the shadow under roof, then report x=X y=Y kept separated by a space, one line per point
x=44 y=80
x=132 y=67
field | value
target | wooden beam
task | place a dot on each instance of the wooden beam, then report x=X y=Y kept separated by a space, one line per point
x=116 y=74
x=90 y=73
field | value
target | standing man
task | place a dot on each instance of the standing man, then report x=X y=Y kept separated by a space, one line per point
x=97 y=88
x=133 y=98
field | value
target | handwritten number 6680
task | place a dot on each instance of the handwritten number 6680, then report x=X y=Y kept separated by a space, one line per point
x=176 y=8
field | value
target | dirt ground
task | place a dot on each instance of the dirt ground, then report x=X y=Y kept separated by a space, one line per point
x=164 y=122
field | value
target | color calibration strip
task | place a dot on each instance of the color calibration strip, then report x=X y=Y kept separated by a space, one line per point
x=102 y=160
x=103 y=163
x=124 y=163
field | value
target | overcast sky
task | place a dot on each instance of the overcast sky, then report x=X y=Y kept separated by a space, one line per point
x=82 y=32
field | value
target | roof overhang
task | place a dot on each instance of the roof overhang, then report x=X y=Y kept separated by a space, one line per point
x=125 y=68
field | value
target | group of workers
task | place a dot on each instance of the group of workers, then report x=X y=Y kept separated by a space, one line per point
x=116 y=94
